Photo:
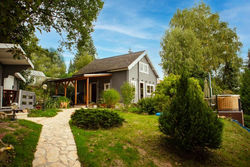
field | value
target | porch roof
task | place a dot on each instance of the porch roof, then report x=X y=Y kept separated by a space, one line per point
x=6 y=56
x=81 y=77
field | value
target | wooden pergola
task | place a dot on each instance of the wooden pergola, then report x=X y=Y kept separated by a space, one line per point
x=66 y=81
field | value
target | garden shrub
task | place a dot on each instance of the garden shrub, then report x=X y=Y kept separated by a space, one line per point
x=245 y=92
x=51 y=103
x=128 y=93
x=96 y=118
x=247 y=120
x=190 y=122
x=110 y=97
x=63 y=99
x=147 y=105
x=165 y=91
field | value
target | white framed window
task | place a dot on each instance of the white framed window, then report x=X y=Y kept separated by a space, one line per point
x=150 y=89
x=143 y=67
x=106 y=86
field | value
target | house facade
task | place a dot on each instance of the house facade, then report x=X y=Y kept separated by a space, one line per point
x=10 y=78
x=112 y=72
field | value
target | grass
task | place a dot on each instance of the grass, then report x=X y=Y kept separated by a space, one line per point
x=43 y=113
x=24 y=136
x=140 y=143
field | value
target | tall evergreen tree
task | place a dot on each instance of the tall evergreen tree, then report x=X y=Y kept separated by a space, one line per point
x=248 y=62
x=230 y=76
x=84 y=56
x=245 y=88
x=71 y=67
x=189 y=121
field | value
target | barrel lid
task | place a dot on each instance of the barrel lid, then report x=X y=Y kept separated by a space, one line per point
x=228 y=95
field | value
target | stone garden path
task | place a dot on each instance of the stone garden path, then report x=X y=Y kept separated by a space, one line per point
x=56 y=146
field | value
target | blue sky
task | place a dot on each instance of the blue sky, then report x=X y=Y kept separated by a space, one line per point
x=140 y=25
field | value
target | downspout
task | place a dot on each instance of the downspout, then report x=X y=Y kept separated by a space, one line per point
x=139 y=89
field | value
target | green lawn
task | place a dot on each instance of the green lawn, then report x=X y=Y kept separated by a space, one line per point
x=43 y=113
x=140 y=143
x=24 y=136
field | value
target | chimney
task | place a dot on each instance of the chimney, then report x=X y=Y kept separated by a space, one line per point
x=130 y=51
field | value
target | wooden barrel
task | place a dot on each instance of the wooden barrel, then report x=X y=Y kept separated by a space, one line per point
x=228 y=102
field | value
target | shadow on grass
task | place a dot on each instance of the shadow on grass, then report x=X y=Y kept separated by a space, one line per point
x=168 y=148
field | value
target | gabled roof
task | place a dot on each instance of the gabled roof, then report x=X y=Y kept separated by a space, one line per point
x=110 y=64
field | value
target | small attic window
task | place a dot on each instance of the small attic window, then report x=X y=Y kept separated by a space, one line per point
x=143 y=67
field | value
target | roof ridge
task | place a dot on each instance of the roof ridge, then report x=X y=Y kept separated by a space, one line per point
x=121 y=55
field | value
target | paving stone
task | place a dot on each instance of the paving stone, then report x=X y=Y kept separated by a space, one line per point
x=71 y=148
x=39 y=161
x=72 y=155
x=56 y=164
x=64 y=159
x=52 y=155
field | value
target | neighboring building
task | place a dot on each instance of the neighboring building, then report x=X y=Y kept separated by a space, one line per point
x=38 y=77
x=10 y=78
x=101 y=74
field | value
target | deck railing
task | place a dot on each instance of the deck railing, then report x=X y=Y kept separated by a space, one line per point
x=9 y=97
x=24 y=99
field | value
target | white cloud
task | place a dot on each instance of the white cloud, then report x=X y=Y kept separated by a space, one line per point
x=128 y=30
x=236 y=13
x=119 y=50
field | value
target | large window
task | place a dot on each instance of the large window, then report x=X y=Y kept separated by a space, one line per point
x=133 y=83
x=106 y=86
x=150 y=89
x=143 y=67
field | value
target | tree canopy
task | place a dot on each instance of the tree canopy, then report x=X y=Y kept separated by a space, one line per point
x=72 y=18
x=198 y=42
x=49 y=61
x=182 y=51
x=218 y=44
x=82 y=60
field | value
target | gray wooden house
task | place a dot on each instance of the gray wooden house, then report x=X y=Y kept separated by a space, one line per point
x=101 y=74
x=10 y=78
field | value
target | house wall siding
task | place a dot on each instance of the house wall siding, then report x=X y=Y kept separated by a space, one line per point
x=100 y=84
x=1 y=75
x=135 y=75
x=117 y=80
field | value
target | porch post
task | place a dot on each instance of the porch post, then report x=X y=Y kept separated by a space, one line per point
x=65 y=90
x=75 y=92
x=56 y=88
x=87 y=96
